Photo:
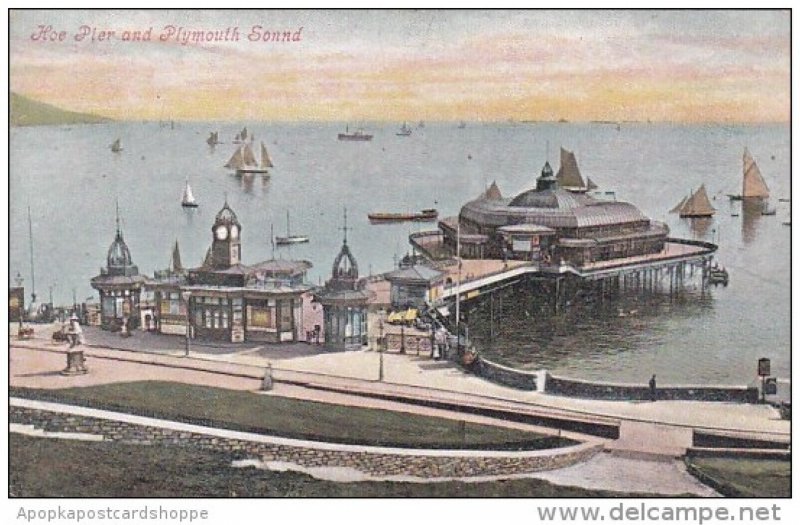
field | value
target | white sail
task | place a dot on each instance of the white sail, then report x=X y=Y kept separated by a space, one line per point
x=248 y=156
x=236 y=161
x=266 y=162
x=188 y=196
x=753 y=184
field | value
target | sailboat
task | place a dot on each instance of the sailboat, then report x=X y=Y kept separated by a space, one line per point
x=241 y=137
x=405 y=131
x=244 y=160
x=213 y=139
x=116 y=146
x=290 y=239
x=696 y=205
x=753 y=184
x=188 y=200
x=569 y=176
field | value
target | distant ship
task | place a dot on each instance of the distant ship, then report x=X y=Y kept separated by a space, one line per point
x=116 y=146
x=462 y=125
x=188 y=200
x=695 y=205
x=405 y=131
x=241 y=137
x=290 y=239
x=424 y=215
x=213 y=139
x=357 y=135
x=244 y=161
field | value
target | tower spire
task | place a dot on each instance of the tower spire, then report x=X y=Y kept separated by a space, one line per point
x=345 y=228
x=117 y=206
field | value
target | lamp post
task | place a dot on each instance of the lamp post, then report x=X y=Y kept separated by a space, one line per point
x=380 y=349
x=187 y=295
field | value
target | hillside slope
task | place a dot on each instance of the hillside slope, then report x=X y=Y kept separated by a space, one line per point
x=29 y=112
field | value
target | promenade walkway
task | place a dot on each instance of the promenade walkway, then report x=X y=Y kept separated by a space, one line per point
x=355 y=374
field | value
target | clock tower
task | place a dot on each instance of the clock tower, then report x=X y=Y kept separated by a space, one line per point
x=226 y=246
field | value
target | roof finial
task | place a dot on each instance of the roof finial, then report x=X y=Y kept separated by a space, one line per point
x=117 y=205
x=345 y=228
x=547 y=151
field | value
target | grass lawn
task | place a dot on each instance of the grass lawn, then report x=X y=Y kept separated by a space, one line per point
x=754 y=478
x=46 y=467
x=287 y=417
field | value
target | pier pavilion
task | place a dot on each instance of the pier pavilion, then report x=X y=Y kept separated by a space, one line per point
x=551 y=224
x=555 y=241
x=226 y=300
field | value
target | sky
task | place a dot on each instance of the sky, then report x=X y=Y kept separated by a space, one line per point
x=677 y=66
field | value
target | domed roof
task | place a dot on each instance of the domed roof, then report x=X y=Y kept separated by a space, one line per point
x=550 y=198
x=227 y=215
x=118 y=253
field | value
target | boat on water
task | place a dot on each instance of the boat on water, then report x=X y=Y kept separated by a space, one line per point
x=357 y=135
x=188 y=200
x=241 y=137
x=422 y=216
x=753 y=184
x=290 y=239
x=405 y=131
x=421 y=124
x=213 y=138
x=116 y=146
x=569 y=175
x=244 y=160
x=462 y=125
x=718 y=275
x=695 y=205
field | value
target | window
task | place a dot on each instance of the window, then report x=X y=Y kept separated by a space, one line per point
x=261 y=316
x=172 y=304
x=285 y=308
x=108 y=306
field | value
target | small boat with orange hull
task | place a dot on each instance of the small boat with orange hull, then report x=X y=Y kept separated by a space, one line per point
x=422 y=216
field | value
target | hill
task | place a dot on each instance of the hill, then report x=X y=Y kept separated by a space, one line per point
x=29 y=112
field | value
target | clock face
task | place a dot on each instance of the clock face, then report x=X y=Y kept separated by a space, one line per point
x=222 y=233
x=234 y=232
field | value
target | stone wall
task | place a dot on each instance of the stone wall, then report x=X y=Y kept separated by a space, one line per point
x=505 y=375
x=610 y=391
x=710 y=439
x=375 y=461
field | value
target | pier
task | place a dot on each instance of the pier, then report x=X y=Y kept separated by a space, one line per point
x=663 y=271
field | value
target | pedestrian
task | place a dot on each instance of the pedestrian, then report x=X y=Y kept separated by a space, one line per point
x=653 y=392
x=75 y=333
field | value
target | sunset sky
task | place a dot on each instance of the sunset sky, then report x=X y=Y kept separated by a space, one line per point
x=717 y=66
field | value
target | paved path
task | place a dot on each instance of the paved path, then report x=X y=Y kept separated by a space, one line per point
x=414 y=376
x=609 y=472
